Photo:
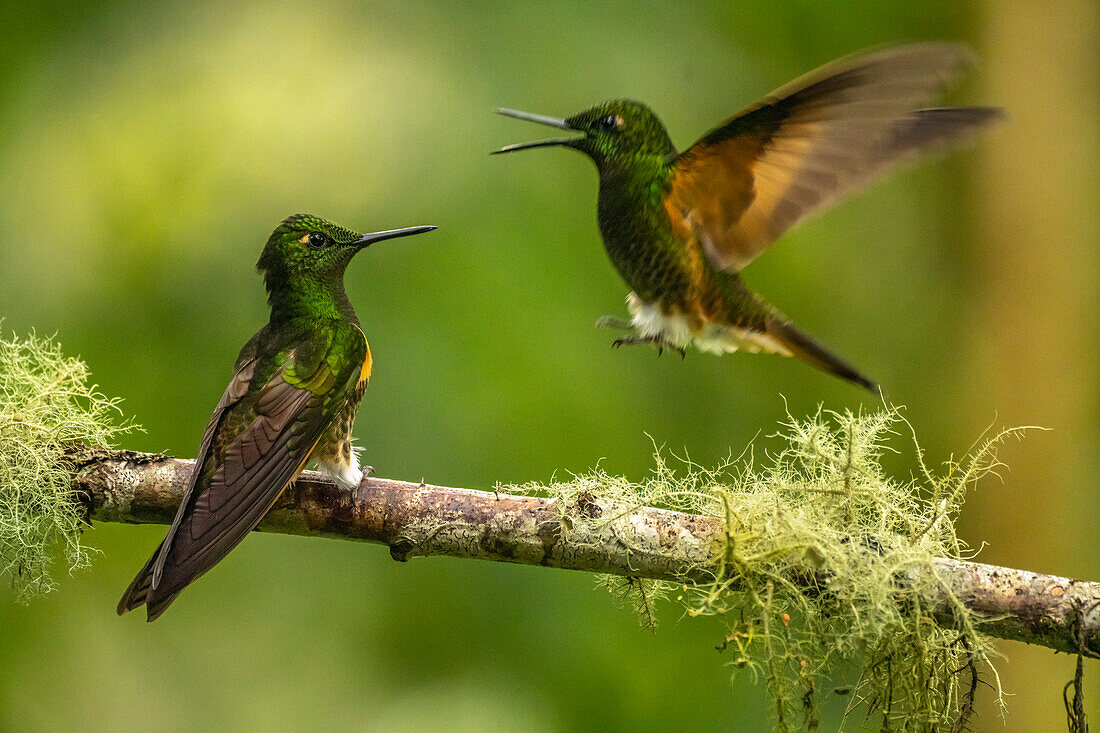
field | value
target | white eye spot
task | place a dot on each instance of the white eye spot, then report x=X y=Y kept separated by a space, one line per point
x=304 y=239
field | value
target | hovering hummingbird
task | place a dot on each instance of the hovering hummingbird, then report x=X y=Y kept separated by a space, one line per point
x=292 y=400
x=679 y=227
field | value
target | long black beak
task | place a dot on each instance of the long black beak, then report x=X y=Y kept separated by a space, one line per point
x=368 y=239
x=542 y=120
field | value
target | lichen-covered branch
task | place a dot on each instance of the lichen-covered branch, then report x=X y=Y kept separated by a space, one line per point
x=592 y=534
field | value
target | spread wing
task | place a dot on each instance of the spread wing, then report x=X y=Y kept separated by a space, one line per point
x=258 y=440
x=812 y=141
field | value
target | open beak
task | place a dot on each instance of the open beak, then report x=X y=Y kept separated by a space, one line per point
x=542 y=120
x=368 y=239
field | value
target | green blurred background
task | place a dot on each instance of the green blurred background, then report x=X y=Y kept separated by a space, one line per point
x=146 y=152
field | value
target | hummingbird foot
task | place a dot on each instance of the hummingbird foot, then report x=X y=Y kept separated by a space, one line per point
x=657 y=341
x=621 y=324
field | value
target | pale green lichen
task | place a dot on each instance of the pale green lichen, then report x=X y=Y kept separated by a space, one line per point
x=824 y=576
x=47 y=408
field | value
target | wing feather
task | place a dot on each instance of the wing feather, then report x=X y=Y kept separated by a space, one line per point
x=812 y=141
x=138 y=589
x=232 y=488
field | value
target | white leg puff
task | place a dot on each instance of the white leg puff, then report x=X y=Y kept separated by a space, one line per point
x=347 y=475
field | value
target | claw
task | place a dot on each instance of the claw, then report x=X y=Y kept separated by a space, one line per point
x=612 y=322
x=655 y=341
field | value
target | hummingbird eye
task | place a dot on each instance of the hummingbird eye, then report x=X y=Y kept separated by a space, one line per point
x=317 y=240
x=608 y=124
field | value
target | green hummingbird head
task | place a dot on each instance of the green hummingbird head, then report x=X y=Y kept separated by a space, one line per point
x=305 y=257
x=615 y=133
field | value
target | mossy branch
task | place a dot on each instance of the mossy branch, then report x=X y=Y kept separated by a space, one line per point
x=639 y=542
x=826 y=571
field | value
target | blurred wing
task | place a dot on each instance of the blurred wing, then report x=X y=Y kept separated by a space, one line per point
x=228 y=498
x=812 y=141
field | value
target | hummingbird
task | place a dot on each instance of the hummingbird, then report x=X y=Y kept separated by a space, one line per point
x=680 y=226
x=296 y=386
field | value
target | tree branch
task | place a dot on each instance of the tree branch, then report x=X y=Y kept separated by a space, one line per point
x=593 y=534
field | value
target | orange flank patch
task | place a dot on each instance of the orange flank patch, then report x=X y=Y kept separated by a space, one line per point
x=364 y=373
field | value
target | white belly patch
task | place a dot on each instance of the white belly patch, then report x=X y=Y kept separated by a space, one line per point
x=715 y=338
x=348 y=474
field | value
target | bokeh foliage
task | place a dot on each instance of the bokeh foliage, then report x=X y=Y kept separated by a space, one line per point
x=146 y=151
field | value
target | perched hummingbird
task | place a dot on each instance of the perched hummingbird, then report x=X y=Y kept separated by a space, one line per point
x=292 y=400
x=679 y=227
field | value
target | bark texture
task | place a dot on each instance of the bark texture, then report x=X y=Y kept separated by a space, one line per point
x=592 y=534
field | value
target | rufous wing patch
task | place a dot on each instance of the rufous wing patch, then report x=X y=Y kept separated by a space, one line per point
x=814 y=140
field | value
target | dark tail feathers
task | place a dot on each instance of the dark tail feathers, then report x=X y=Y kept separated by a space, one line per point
x=805 y=348
x=138 y=593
